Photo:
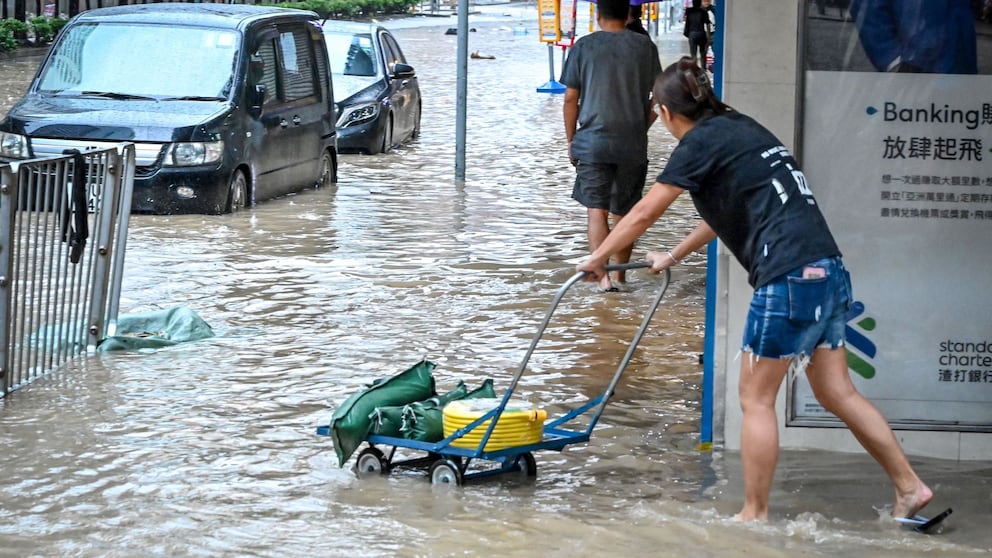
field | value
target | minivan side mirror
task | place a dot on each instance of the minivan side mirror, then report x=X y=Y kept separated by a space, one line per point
x=401 y=70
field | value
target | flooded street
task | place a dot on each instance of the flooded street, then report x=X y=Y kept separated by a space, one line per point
x=209 y=448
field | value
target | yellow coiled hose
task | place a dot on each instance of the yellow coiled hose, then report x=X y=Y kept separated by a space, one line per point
x=520 y=423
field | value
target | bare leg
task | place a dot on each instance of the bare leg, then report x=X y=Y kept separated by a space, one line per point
x=598 y=227
x=759 y=383
x=623 y=256
x=831 y=383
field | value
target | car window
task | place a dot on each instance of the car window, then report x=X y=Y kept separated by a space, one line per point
x=287 y=67
x=392 y=51
x=114 y=58
x=351 y=54
x=296 y=65
x=270 y=75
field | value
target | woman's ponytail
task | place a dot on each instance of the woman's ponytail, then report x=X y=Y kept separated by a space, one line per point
x=685 y=88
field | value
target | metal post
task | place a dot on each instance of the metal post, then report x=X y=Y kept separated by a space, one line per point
x=462 y=90
x=8 y=199
x=552 y=86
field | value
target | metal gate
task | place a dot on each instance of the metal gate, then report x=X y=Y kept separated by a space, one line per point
x=63 y=234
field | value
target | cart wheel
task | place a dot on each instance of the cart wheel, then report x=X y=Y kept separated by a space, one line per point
x=444 y=471
x=527 y=464
x=370 y=462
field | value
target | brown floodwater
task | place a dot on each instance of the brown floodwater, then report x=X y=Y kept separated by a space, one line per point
x=210 y=448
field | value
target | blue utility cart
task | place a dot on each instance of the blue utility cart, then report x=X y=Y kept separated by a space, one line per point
x=448 y=464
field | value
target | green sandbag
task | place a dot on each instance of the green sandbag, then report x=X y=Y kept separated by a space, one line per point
x=350 y=423
x=424 y=420
x=412 y=428
x=386 y=421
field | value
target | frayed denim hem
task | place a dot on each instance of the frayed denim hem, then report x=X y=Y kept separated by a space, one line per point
x=799 y=361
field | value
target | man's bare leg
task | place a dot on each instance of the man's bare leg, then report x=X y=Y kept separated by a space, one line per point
x=598 y=227
x=760 y=379
x=831 y=383
x=623 y=256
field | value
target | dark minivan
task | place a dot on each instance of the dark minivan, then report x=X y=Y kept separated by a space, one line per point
x=227 y=104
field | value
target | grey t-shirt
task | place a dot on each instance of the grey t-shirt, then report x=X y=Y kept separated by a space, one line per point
x=614 y=73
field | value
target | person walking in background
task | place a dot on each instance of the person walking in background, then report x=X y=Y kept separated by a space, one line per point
x=608 y=77
x=707 y=6
x=634 y=20
x=697 y=30
x=750 y=192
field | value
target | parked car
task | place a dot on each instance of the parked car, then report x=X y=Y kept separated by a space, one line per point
x=379 y=102
x=227 y=104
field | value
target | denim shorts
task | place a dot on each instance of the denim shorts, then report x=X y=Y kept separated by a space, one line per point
x=791 y=315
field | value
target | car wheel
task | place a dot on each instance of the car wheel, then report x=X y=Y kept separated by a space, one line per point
x=328 y=172
x=237 y=197
x=387 y=137
x=416 y=124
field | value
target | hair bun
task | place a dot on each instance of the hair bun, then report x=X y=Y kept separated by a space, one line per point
x=698 y=84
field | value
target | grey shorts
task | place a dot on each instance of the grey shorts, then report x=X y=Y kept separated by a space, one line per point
x=611 y=186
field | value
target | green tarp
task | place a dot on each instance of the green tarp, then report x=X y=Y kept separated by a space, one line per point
x=145 y=330
x=159 y=328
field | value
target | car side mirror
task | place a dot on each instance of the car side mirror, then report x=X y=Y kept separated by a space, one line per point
x=401 y=70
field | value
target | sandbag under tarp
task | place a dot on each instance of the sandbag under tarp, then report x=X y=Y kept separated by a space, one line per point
x=424 y=420
x=387 y=421
x=159 y=328
x=350 y=423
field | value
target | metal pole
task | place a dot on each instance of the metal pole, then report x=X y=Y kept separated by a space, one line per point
x=551 y=62
x=461 y=97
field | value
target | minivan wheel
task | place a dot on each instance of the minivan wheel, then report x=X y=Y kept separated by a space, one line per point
x=328 y=174
x=238 y=192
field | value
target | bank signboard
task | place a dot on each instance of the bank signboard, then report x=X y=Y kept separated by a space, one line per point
x=897 y=146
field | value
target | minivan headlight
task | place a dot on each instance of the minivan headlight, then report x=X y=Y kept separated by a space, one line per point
x=14 y=146
x=358 y=114
x=188 y=154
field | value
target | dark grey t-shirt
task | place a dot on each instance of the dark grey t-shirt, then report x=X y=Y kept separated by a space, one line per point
x=614 y=73
x=749 y=189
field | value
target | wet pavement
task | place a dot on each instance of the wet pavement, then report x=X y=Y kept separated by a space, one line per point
x=209 y=449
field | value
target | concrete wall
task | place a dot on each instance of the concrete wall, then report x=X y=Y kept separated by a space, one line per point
x=760 y=78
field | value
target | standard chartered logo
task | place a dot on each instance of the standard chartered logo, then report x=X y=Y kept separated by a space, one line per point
x=857 y=330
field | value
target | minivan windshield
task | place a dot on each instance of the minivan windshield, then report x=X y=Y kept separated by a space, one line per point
x=134 y=61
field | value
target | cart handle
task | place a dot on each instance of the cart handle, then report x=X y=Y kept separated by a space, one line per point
x=666 y=277
x=626 y=266
x=614 y=267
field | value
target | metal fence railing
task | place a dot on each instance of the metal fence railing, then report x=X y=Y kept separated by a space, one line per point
x=63 y=234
